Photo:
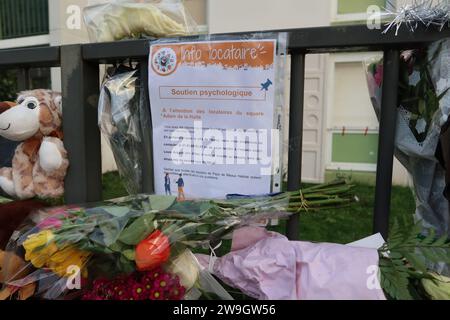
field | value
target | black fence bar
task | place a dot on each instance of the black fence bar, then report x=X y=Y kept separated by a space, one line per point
x=23 y=79
x=386 y=145
x=80 y=90
x=147 y=132
x=297 y=95
x=30 y=57
x=360 y=38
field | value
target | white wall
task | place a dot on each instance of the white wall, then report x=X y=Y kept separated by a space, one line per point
x=60 y=34
x=251 y=15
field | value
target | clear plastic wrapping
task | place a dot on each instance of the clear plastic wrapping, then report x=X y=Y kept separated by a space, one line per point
x=122 y=19
x=86 y=251
x=423 y=107
x=218 y=107
x=119 y=121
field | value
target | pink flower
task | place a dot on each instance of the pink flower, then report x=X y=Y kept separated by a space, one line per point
x=138 y=292
x=156 y=294
x=162 y=282
x=149 y=285
x=379 y=75
x=50 y=223
x=177 y=293
x=154 y=274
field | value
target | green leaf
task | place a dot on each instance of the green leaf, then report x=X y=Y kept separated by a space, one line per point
x=406 y=242
x=417 y=262
x=442 y=241
x=443 y=94
x=395 y=283
x=422 y=106
x=129 y=254
x=160 y=203
x=111 y=231
x=125 y=265
x=116 y=211
x=90 y=246
x=119 y=246
x=138 y=230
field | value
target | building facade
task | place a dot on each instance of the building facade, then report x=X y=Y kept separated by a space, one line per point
x=340 y=127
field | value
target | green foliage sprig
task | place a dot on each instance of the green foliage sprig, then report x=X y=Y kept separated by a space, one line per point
x=404 y=257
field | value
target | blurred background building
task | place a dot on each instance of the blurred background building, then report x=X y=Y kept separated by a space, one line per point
x=340 y=127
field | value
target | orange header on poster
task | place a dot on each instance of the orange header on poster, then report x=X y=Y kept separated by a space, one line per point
x=229 y=54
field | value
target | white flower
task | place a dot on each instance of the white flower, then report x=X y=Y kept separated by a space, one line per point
x=421 y=125
x=186 y=267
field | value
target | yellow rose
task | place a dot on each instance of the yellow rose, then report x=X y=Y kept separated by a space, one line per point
x=41 y=251
x=39 y=247
x=60 y=261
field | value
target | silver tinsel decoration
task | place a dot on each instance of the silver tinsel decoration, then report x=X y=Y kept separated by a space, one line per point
x=427 y=13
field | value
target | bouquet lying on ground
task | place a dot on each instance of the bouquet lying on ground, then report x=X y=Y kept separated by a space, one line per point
x=267 y=266
x=139 y=247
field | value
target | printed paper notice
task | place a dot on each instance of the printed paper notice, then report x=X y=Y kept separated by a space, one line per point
x=212 y=106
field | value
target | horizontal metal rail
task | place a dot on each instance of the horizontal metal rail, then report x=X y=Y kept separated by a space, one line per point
x=30 y=57
x=307 y=40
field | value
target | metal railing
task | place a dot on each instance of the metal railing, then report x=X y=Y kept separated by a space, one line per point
x=23 y=18
x=80 y=83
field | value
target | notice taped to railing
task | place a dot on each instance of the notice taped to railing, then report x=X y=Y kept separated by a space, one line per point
x=212 y=106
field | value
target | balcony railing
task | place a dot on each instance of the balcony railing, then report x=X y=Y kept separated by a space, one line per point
x=23 y=18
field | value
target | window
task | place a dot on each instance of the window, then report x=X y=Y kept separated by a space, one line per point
x=352 y=126
x=355 y=10
x=357 y=6
x=23 y=18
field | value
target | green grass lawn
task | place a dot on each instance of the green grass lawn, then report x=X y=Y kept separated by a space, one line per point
x=352 y=223
x=342 y=225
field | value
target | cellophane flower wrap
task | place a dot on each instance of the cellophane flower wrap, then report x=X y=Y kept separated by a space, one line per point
x=423 y=107
x=134 y=248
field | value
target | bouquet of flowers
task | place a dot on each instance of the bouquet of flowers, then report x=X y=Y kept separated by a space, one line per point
x=423 y=106
x=417 y=94
x=139 y=247
x=370 y=269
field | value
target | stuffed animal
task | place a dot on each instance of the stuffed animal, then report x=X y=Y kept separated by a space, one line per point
x=40 y=161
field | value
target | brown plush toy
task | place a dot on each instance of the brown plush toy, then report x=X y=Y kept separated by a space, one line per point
x=40 y=162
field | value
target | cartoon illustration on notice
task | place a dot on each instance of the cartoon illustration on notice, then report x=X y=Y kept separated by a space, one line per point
x=167 y=185
x=180 y=183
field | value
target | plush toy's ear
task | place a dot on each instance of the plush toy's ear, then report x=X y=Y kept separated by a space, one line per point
x=57 y=100
x=6 y=105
